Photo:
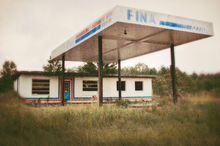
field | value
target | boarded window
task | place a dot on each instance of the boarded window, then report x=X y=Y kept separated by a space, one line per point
x=138 y=86
x=122 y=85
x=40 y=86
x=90 y=86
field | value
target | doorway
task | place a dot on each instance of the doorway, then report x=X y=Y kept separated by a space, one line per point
x=67 y=90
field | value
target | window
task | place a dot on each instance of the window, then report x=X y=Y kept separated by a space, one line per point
x=138 y=86
x=90 y=86
x=40 y=86
x=66 y=86
x=122 y=85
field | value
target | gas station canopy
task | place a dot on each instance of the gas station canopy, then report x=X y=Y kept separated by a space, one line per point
x=128 y=33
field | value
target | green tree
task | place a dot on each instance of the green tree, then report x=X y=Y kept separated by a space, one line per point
x=183 y=82
x=53 y=66
x=139 y=69
x=110 y=68
x=142 y=68
x=9 y=69
x=72 y=70
x=153 y=71
x=164 y=71
x=91 y=67
x=161 y=86
x=8 y=75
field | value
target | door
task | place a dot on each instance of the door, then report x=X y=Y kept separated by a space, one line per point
x=67 y=90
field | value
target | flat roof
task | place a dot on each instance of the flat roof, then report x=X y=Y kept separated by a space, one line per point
x=41 y=73
x=146 y=32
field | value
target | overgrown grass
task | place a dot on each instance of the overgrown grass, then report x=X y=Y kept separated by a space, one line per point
x=193 y=121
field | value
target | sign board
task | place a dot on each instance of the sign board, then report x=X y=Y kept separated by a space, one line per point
x=146 y=32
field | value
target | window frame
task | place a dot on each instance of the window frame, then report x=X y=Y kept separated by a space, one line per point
x=123 y=83
x=40 y=87
x=89 y=83
x=136 y=86
x=67 y=86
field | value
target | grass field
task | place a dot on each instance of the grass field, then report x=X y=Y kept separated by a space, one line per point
x=193 y=121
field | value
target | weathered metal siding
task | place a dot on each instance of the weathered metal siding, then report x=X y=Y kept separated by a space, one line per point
x=25 y=86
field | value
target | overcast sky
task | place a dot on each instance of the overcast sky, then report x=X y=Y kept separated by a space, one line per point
x=31 y=29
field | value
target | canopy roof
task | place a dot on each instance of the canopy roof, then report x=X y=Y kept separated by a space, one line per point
x=128 y=32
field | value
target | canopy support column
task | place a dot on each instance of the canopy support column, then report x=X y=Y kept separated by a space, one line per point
x=119 y=79
x=63 y=76
x=100 y=72
x=173 y=72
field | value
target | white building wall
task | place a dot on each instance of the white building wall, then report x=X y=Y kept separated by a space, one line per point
x=79 y=87
x=110 y=87
x=25 y=86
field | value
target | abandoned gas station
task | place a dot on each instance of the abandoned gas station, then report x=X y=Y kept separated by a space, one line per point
x=124 y=33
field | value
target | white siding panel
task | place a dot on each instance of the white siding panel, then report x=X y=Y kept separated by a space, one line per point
x=26 y=86
x=110 y=87
x=79 y=87
x=54 y=86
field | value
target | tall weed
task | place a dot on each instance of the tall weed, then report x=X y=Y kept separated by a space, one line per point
x=195 y=121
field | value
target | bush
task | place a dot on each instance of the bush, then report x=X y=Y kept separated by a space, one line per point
x=216 y=92
x=165 y=101
x=122 y=103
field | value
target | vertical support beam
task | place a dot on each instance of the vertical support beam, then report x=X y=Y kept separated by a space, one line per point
x=100 y=72
x=93 y=101
x=63 y=76
x=173 y=72
x=119 y=79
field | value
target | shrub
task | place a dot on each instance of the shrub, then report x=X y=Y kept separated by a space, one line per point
x=122 y=103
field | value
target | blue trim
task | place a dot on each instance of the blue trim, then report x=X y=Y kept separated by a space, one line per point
x=172 y=24
x=138 y=97
x=95 y=98
x=114 y=97
x=31 y=98
x=88 y=33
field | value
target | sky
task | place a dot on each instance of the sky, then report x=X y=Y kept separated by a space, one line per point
x=31 y=29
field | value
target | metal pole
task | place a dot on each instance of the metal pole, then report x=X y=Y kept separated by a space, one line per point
x=63 y=76
x=119 y=79
x=100 y=81
x=173 y=72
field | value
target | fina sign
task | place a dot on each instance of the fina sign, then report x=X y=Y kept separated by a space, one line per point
x=151 y=18
x=141 y=17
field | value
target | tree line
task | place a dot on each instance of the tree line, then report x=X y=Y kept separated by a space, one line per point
x=7 y=76
x=162 y=85
x=185 y=83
